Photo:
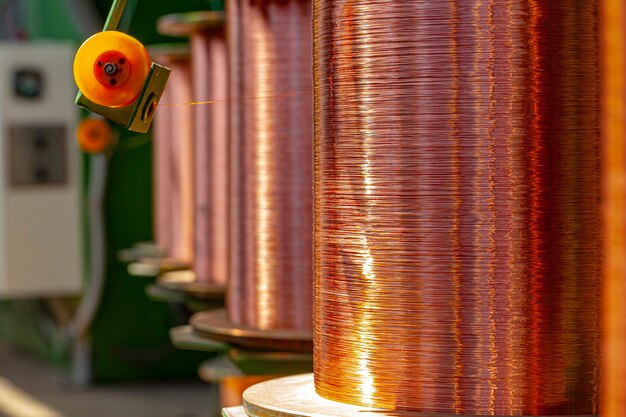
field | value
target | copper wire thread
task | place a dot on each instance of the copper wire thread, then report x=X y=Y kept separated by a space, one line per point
x=270 y=286
x=205 y=102
x=613 y=38
x=173 y=166
x=208 y=48
x=457 y=243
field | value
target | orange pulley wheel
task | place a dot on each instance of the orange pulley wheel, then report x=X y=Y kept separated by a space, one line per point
x=110 y=68
x=94 y=135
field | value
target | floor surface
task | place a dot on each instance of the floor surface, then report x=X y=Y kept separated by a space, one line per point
x=31 y=388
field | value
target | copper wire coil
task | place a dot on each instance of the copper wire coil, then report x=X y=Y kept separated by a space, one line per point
x=173 y=161
x=457 y=231
x=271 y=163
x=208 y=49
x=613 y=38
x=161 y=176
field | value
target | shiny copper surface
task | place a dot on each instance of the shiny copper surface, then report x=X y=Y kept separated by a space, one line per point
x=457 y=218
x=613 y=38
x=208 y=48
x=271 y=143
x=173 y=160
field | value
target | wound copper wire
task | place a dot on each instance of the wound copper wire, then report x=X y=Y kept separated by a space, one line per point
x=173 y=163
x=613 y=38
x=161 y=176
x=208 y=49
x=271 y=139
x=457 y=227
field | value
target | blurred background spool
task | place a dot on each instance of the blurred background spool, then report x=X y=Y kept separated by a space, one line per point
x=162 y=129
x=271 y=122
x=457 y=205
x=613 y=36
x=209 y=69
x=173 y=159
x=208 y=48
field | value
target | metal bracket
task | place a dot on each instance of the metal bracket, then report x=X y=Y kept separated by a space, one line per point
x=138 y=115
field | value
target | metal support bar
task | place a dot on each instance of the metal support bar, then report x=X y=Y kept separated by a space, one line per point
x=115 y=15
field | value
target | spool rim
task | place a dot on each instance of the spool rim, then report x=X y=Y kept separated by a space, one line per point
x=183 y=24
x=185 y=281
x=216 y=325
x=170 y=51
x=165 y=262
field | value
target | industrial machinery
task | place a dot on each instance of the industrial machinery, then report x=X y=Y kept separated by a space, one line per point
x=122 y=334
x=455 y=225
x=116 y=77
x=40 y=237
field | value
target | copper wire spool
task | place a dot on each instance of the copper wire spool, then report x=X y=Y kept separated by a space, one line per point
x=173 y=160
x=161 y=176
x=457 y=219
x=209 y=68
x=271 y=163
x=613 y=35
x=208 y=48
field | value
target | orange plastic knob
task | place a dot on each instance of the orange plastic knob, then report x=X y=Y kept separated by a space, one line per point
x=94 y=135
x=110 y=68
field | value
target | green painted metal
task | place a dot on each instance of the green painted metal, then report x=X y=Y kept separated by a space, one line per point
x=48 y=19
x=27 y=324
x=257 y=362
x=115 y=15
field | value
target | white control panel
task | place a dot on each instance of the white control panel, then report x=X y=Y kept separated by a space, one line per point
x=40 y=217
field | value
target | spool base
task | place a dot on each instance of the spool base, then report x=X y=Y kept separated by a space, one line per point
x=185 y=282
x=154 y=266
x=216 y=325
x=248 y=362
x=295 y=396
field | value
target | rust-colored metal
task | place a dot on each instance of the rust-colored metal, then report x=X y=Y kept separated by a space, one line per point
x=271 y=143
x=457 y=210
x=613 y=41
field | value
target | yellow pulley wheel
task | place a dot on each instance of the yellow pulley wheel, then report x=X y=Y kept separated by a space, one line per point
x=110 y=68
x=94 y=135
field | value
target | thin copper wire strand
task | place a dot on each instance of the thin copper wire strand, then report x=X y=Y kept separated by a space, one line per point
x=174 y=153
x=613 y=38
x=205 y=102
x=208 y=49
x=457 y=231
x=271 y=141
